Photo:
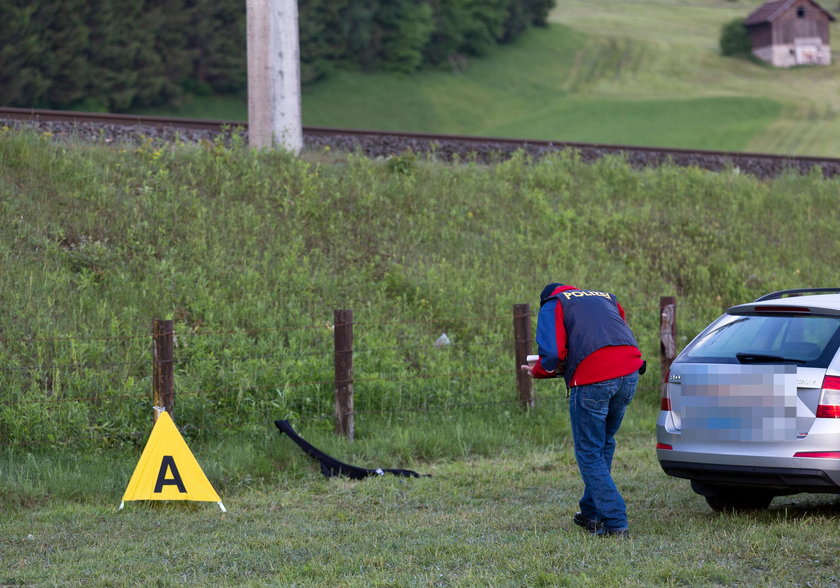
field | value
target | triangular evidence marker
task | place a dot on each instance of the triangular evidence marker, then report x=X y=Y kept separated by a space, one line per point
x=167 y=469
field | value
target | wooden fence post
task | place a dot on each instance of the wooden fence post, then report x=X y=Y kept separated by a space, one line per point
x=667 y=334
x=344 y=421
x=163 y=346
x=522 y=348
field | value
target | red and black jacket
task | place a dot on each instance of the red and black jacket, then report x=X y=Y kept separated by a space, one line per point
x=583 y=336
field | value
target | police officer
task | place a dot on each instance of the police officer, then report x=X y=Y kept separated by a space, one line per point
x=582 y=336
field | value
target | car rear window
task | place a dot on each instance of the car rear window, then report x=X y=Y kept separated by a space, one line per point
x=806 y=340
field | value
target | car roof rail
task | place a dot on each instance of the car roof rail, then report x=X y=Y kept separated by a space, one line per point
x=797 y=292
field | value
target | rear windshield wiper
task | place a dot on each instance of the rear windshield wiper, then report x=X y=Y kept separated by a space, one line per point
x=763 y=358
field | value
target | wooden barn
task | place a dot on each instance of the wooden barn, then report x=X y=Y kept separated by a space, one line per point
x=790 y=32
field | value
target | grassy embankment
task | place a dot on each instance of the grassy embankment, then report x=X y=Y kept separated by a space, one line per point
x=644 y=72
x=251 y=252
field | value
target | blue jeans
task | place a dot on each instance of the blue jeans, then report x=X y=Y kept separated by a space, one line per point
x=596 y=411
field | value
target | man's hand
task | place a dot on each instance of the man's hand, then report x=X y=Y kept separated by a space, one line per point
x=528 y=369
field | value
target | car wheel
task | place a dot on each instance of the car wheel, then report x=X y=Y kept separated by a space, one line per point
x=733 y=499
x=735 y=503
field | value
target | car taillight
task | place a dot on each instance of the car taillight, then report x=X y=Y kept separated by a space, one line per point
x=664 y=446
x=665 y=402
x=829 y=406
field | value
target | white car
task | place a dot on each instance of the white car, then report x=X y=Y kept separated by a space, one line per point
x=751 y=407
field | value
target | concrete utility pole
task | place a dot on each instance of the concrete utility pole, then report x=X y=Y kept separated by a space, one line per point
x=274 y=111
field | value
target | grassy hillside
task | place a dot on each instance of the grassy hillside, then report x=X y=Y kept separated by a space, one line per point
x=250 y=253
x=642 y=72
x=679 y=41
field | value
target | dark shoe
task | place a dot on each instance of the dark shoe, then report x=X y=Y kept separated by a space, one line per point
x=590 y=525
x=619 y=533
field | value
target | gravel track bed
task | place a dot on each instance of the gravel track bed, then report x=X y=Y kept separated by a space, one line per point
x=444 y=149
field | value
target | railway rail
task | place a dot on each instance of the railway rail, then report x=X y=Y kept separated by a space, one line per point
x=117 y=127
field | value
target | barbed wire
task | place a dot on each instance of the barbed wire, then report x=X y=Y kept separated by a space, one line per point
x=433 y=321
x=223 y=359
x=324 y=325
x=72 y=366
x=228 y=359
x=436 y=407
x=89 y=399
x=275 y=356
x=424 y=407
x=72 y=338
x=280 y=386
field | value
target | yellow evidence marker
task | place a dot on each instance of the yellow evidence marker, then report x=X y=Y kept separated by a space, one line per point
x=167 y=469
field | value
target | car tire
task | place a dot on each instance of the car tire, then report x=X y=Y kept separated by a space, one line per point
x=739 y=502
x=732 y=498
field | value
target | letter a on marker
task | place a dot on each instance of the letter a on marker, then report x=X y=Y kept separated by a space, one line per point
x=168 y=463
x=167 y=469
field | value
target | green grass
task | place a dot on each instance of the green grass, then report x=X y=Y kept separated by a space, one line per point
x=681 y=59
x=645 y=72
x=223 y=107
x=665 y=123
x=502 y=520
x=249 y=252
x=549 y=85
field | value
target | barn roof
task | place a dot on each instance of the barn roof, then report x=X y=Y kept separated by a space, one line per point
x=770 y=11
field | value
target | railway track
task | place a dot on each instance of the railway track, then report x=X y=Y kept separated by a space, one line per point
x=116 y=127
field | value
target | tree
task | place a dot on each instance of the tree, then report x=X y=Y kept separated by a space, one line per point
x=116 y=53
x=216 y=40
x=314 y=50
x=447 y=36
x=23 y=50
x=403 y=28
x=517 y=21
x=66 y=66
x=484 y=26
x=539 y=11
x=168 y=59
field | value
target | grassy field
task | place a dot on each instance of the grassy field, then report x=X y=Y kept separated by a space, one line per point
x=642 y=72
x=244 y=249
x=679 y=40
x=503 y=520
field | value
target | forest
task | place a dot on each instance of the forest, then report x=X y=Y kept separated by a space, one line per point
x=115 y=55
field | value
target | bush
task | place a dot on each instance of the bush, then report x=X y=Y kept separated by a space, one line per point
x=734 y=41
